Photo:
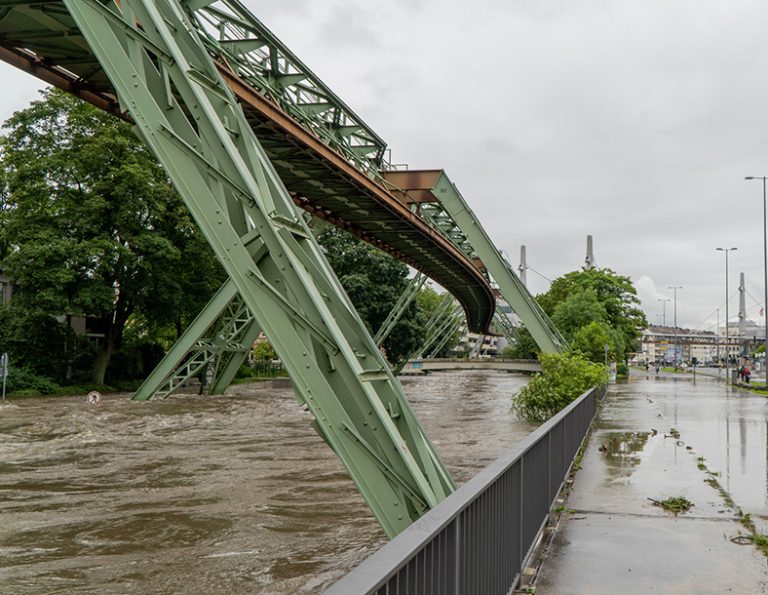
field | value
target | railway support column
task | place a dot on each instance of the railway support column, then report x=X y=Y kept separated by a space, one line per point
x=186 y=114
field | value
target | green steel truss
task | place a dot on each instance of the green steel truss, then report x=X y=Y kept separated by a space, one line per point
x=214 y=346
x=184 y=111
x=444 y=317
x=504 y=326
x=452 y=330
x=232 y=34
x=451 y=213
x=409 y=294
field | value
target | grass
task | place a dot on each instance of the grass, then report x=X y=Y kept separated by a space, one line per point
x=759 y=540
x=674 y=504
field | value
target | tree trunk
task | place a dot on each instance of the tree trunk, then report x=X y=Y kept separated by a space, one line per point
x=115 y=324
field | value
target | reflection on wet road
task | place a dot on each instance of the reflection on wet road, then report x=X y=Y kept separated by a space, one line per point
x=728 y=427
x=668 y=439
x=233 y=494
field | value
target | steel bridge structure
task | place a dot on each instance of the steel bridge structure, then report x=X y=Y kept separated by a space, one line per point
x=253 y=140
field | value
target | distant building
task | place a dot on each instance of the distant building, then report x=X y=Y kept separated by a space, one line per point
x=663 y=345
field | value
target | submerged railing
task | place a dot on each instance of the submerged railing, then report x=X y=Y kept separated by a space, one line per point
x=477 y=539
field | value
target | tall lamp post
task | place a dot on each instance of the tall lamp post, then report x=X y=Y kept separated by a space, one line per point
x=675 y=288
x=663 y=310
x=765 y=276
x=727 y=346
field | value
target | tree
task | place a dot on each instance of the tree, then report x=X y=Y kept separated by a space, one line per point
x=577 y=310
x=373 y=281
x=263 y=351
x=615 y=293
x=524 y=346
x=591 y=340
x=93 y=227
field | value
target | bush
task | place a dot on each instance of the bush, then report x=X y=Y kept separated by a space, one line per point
x=622 y=369
x=24 y=382
x=564 y=377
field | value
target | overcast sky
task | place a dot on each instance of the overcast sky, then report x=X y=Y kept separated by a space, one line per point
x=634 y=121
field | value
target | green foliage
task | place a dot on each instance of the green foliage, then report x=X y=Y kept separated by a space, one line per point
x=136 y=358
x=596 y=295
x=622 y=369
x=577 y=310
x=591 y=340
x=564 y=377
x=92 y=226
x=674 y=504
x=33 y=340
x=373 y=281
x=263 y=351
x=24 y=382
x=524 y=348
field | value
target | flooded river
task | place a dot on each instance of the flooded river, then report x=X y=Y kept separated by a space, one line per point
x=233 y=494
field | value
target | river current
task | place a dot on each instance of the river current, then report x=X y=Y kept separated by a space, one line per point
x=229 y=494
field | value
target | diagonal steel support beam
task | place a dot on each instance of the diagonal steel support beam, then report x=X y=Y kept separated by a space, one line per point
x=220 y=335
x=186 y=114
x=405 y=299
x=451 y=331
x=442 y=318
x=511 y=288
x=505 y=326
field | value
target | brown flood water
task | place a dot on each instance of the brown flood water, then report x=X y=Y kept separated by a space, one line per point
x=233 y=494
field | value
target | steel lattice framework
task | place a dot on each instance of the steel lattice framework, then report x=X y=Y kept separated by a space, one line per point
x=246 y=132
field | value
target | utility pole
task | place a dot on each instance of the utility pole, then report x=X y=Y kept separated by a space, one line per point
x=663 y=310
x=674 y=288
x=523 y=268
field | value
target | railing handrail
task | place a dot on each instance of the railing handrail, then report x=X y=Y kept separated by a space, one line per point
x=373 y=572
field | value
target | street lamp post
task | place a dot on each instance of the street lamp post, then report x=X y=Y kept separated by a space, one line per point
x=727 y=346
x=675 y=288
x=663 y=310
x=765 y=277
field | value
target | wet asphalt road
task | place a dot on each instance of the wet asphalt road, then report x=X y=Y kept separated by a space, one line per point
x=662 y=437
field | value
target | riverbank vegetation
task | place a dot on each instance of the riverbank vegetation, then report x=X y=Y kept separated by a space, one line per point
x=564 y=377
x=593 y=309
x=108 y=268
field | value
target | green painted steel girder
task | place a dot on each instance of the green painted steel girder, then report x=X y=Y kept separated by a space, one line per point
x=232 y=33
x=187 y=115
x=514 y=292
x=216 y=344
x=442 y=318
x=401 y=305
x=505 y=326
x=451 y=331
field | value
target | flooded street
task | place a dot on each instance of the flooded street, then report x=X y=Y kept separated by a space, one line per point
x=233 y=494
x=726 y=426
x=667 y=440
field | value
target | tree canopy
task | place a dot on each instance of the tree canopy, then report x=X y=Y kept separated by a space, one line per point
x=374 y=281
x=591 y=308
x=92 y=226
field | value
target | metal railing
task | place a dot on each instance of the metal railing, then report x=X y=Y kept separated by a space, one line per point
x=477 y=540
